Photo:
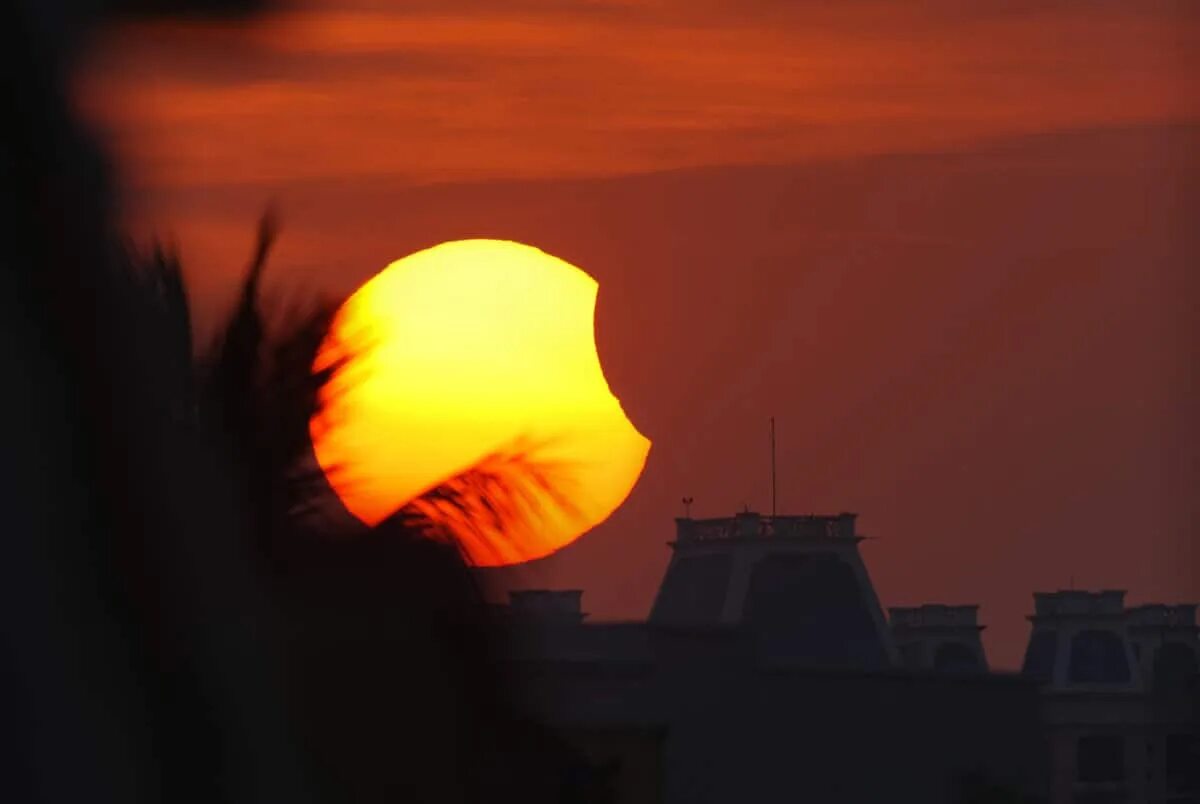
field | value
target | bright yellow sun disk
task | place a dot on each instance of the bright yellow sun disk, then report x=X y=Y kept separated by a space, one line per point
x=462 y=351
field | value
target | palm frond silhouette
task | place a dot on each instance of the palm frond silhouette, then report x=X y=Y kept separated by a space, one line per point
x=494 y=508
x=404 y=581
x=259 y=380
x=144 y=653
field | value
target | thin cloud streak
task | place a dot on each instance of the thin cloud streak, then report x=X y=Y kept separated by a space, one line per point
x=534 y=93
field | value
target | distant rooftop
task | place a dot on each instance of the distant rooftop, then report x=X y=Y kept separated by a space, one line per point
x=1182 y=615
x=753 y=525
x=563 y=606
x=934 y=615
x=1079 y=602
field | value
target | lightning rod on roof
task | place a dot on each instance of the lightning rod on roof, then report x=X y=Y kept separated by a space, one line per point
x=772 y=466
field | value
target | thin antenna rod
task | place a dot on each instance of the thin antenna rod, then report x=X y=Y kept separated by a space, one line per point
x=772 y=466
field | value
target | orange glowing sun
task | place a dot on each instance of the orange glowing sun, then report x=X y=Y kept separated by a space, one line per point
x=476 y=351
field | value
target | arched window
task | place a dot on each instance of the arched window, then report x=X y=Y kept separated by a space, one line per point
x=955 y=657
x=1098 y=657
x=810 y=607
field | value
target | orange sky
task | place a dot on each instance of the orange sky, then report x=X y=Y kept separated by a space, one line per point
x=621 y=87
x=946 y=247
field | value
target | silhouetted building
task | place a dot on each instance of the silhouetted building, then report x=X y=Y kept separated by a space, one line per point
x=1119 y=697
x=1164 y=640
x=798 y=582
x=546 y=606
x=938 y=637
x=766 y=672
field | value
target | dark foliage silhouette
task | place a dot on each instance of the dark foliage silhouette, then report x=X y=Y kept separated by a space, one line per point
x=505 y=495
x=257 y=382
x=150 y=653
x=139 y=659
x=355 y=600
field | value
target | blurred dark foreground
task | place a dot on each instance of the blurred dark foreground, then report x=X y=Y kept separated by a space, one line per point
x=179 y=620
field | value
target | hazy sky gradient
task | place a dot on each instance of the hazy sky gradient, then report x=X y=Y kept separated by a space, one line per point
x=554 y=90
x=949 y=249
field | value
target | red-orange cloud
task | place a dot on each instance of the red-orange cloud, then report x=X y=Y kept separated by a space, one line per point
x=617 y=88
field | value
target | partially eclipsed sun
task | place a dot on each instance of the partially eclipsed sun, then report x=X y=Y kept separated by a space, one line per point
x=468 y=352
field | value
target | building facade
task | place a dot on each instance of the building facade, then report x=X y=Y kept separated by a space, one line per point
x=938 y=637
x=767 y=672
x=1119 y=698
